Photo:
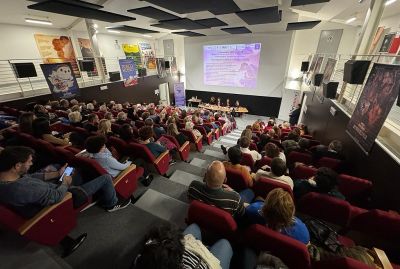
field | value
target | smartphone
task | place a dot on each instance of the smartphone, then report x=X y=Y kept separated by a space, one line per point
x=67 y=172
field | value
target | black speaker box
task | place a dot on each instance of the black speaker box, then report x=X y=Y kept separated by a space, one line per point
x=318 y=79
x=142 y=72
x=24 y=70
x=329 y=89
x=166 y=64
x=305 y=66
x=355 y=71
x=87 y=65
x=114 y=76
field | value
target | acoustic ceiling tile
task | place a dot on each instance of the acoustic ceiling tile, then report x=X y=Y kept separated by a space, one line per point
x=131 y=29
x=261 y=15
x=153 y=13
x=291 y=26
x=236 y=30
x=188 y=33
x=211 y=22
x=307 y=2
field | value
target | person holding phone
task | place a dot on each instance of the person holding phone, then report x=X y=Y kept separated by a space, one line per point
x=27 y=193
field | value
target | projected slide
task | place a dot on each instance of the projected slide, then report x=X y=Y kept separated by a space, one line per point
x=234 y=65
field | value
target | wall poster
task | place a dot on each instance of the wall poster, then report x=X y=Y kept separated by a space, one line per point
x=88 y=54
x=387 y=42
x=128 y=71
x=61 y=79
x=57 y=49
x=374 y=105
x=179 y=93
x=132 y=51
x=148 y=56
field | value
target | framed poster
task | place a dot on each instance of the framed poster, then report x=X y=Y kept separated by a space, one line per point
x=60 y=79
x=374 y=105
x=394 y=47
x=387 y=42
x=57 y=49
x=128 y=71
x=132 y=51
x=179 y=94
x=329 y=68
x=148 y=56
x=377 y=38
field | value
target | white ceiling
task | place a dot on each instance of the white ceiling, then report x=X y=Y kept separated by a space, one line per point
x=15 y=11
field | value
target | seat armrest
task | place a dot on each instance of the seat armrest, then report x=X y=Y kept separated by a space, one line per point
x=184 y=146
x=30 y=223
x=198 y=140
x=162 y=155
x=123 y=173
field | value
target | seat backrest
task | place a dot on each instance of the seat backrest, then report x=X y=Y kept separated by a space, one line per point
x=10 y=219
x=115 y=128
x=119 y=144
x=235 y=179
x=325 y=207
x=247 y=160
x=27 y=139
x=292 y=252
x=61 y=127
x=378 y=223
x=264 y=185
x=142 y=151
x=314 y=143
x=303 y=172
x=89 y=168
x=354 y=188
x=139 y=124
x=331 y=163
x=295 y=156
x=253 y=146
x=212 y=219
x=172 y=139
x=189 y=134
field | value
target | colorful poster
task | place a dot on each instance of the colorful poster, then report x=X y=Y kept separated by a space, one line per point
x=387 y=42
x=86 y=48
x=61 y=79
x=374 y=105
x=128 y=71
x=132 y=52
x=57 y=49
x=329 y=68
x=161 y=68
x=172 y=65
x=179 y=93
x=148 y=56
x=376 y=39
x=395 y=44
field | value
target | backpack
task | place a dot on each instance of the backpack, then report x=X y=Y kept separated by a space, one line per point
x=322 y=235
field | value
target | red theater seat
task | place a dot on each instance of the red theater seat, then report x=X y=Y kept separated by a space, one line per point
x=355 y=189
x=331 y=163
x=264 y=161
x=235 y=180
x=161 y=163
x=198 y=143
x=212 y=219
x=48 y=227
x=303 y=172
x=264 y=185
x=300 y=157
x=183 y=150
x=247 y=160
x=206 y=136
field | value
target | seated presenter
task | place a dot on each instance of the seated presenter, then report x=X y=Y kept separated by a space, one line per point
x=228 y=102
x=212 y=100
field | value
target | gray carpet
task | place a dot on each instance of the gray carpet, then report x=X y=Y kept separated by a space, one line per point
x=114 y=239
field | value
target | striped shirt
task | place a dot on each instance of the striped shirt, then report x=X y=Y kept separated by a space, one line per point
x=229 y=201
x=191 y=261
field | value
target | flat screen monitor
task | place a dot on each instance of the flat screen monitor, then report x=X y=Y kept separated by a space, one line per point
x=24 y=70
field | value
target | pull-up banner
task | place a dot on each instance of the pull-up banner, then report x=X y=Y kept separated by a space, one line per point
x=374 y=105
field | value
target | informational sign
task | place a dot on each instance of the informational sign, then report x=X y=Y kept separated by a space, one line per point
x=128 y=71
x=57 y=49
x=374 y=105
x=179 y=92
x=61 y=80
x=148 y=56
x=132 y=51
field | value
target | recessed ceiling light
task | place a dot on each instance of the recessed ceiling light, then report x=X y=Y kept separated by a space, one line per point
x=95 y=26
x=389 y=2
x=38 y=21
x=147 y=35
x=113 y=31
x=351 y=20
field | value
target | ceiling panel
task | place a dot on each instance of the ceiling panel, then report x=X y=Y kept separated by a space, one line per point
x=184 y=23
x=77 y=2
x=307 y=2
x=211 y=22
x=131 y=29
x=261 y=15
x=66 y=8
x=301 y=25
x=153 y=13
x=236 y=30
x=188 y=33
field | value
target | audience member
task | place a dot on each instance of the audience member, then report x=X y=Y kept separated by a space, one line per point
x=41 y=112
x=173 y=131
x=41 y=129
x=290 y=143
x=96 y=147
x=304 y=146
x=146 y=135
x=235 y=156
x=325 y=181
x=334 y=150
x=214 y=192
x=29 y=193
x=104 y=128
x=75 y=119
x=244 y=148
x=294 y=115
x=278 y=171
x=92 y=123
x=272 y=151
x=168 y=248
x=264 y=139
x=121 y=118
x=126 y=133
x=189 y=127
x=158 y=131
x=25 y=122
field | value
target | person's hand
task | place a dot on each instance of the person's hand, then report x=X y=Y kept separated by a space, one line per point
x=67 y=180
x=226 y=187
x=62 y=169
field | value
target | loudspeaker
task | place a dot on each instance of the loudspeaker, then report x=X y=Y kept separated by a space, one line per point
x=24 y=70
x=305 y=66
x=114 y=76
x=318 y=79
x=142 y=72
x=355 y=71
x=87 y=65
x=166 y=64
x=329 y=89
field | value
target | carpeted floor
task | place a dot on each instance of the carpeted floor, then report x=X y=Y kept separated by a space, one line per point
x=114 y=239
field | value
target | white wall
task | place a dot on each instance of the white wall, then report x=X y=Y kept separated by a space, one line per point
x=275 y=50
x=306 y=42
x=179 y=50
x=392 y=22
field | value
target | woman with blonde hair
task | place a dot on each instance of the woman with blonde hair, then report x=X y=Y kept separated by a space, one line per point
x=189 y=127
x=277 y=212
x=105 y=127
x=75 y=118
x=172 y=130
